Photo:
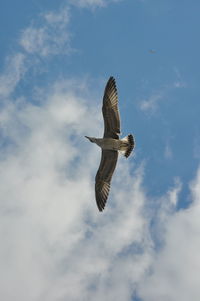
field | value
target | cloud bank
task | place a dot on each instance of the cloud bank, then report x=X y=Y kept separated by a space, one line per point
x=176 y=267
x=55 y=244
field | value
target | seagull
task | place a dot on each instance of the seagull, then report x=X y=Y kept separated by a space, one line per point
x=110 y=144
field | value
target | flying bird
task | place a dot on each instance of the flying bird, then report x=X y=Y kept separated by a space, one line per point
x=110 y=144
x=152 y=51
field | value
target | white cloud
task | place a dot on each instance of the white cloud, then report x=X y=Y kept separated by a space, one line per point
x=179 y=83
x=84 y=3
x=14 y=70
x=55 y=243
x=151 y=103
x=168 y=151
x=51 y=37
x=175 y=270
x=92 y=3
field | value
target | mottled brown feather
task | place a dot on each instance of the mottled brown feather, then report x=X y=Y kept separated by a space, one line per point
x=110 y=110
x=104 y=176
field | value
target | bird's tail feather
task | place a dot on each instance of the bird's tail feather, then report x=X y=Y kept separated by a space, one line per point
x=128 y=145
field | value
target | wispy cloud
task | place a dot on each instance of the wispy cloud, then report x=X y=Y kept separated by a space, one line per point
x=92 y=3
x=15 y=68
x=168 y=154
x=179 y=82
x=151 y=103
x=85 y=3
x=50 y=37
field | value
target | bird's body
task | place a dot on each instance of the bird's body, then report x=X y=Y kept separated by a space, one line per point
x=110 y=144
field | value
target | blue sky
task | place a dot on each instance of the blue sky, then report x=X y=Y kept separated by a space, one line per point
x=55 y=59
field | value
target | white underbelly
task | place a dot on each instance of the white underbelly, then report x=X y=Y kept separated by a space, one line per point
x=110 y=144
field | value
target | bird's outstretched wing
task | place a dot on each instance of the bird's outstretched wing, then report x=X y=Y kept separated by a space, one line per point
x=110 y=110
x=104 y=176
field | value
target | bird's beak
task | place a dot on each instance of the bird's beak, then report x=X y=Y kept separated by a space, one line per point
x=89 y=138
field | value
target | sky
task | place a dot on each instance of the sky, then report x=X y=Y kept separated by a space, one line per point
x=55 y=59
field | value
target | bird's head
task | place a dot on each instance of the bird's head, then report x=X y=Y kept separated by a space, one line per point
x=92 y=139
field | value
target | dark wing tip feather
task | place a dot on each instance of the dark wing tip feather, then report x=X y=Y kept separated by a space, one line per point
x=101 y=191
x=111 y=84
x=110 y=110
x=111 y=78
x=131 y=145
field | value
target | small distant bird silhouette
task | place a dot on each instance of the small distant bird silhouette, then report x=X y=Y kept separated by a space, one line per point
x=152 y=51
x=110 y=144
